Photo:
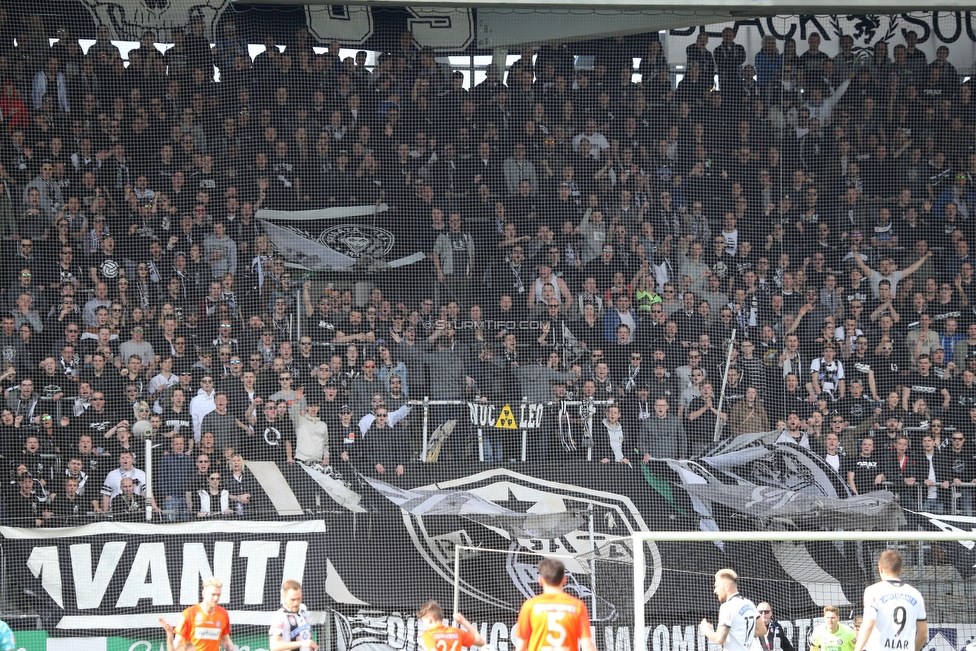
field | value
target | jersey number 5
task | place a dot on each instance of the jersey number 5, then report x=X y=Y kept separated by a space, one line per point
x=556 y=638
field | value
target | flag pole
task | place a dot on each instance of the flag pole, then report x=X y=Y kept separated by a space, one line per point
x=725 y=381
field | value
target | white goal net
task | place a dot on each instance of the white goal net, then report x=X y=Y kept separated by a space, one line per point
x=796 y=574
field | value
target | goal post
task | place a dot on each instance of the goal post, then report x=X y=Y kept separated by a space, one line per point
x=925 y=543
x=462 y=550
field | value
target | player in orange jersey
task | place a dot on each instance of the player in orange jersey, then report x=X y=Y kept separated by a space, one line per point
x=205 y=626
x=438 y=637
x=554 y=620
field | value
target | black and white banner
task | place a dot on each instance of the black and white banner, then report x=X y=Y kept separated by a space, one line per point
x=340 y=239
x=442 y=28
x=955 y=29
x=115 y=575
x=369 y=566
x=128 y=19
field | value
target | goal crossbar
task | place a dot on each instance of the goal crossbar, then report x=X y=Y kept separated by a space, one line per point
x=640 y=537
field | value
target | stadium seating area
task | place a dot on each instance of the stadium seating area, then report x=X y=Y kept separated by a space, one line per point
x=779 y=243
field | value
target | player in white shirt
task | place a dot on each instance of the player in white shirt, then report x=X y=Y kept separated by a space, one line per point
x=738 y=620
x=894 y=612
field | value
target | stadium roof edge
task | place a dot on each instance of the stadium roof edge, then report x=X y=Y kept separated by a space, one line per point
x=735 y=8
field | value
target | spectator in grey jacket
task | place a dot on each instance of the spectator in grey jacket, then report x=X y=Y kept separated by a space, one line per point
x=593 y=233
x=137 y=346
x=662 y=436
x=536 y=382
x=220 y=250
x=25 y=313
x=50 y=198
x=447 y=360
x=311 y=432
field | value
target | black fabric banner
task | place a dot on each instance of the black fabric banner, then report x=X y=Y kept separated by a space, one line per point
x=115 y=576
x=351 y=238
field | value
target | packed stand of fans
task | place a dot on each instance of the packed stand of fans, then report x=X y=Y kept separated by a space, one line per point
x=586 y=237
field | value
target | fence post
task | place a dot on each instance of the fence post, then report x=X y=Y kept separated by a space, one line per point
x=426 y=419
x=149 y=479
x=525 y=432
x=588 y=434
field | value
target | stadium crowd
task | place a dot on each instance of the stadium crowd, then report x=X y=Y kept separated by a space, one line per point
x=587 y=236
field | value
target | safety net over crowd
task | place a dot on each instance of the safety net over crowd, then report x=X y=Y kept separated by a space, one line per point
x=384 y=299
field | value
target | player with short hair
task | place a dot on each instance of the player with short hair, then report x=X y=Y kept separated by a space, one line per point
x=439 y=637
x=553 y=620
x=738 y=618
x=290 y=628
x=894 y=612
x=832 y=635
x=204 y=626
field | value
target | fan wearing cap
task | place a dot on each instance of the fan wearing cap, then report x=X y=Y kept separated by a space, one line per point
x=640 y=405
x=662 y=383
x=347 y=435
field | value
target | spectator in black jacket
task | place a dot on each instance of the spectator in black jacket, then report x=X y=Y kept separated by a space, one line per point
x=386 y=451
x=961 y=471
x=901 y=470
x=775 y=638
